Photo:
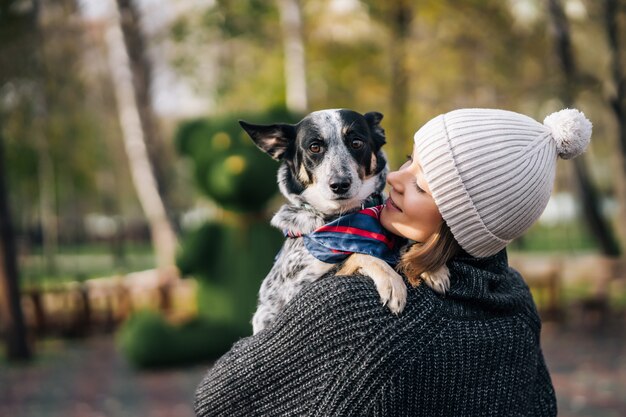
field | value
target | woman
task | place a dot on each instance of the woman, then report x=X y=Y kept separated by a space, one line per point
x=477 y=179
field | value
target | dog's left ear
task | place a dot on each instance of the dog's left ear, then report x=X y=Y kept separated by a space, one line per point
x=271 y=139
x=373 y=119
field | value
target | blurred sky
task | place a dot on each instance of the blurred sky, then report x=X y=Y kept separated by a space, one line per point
x=174 y=96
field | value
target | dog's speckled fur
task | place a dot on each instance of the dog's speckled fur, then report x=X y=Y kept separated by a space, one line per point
x=319 y=187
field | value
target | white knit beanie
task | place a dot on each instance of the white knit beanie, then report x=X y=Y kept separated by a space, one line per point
x=491 y=172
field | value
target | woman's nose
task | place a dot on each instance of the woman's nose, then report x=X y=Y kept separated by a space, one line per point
x=393 y=179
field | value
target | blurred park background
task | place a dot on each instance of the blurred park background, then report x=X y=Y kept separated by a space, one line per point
x=134 y=213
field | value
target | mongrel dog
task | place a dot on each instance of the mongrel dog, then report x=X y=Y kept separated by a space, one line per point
x=331 y=163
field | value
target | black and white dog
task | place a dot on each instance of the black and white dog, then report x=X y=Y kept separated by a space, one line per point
x=331 y=163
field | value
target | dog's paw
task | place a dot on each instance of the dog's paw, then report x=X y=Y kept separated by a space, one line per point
x=389 y=283
x=438 y=280
x=392 y=291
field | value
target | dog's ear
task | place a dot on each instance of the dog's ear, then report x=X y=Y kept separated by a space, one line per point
x=373 y=119
x=271 y=139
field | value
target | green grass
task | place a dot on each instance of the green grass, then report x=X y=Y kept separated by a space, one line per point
x=570 y=237
x=101 y=248
x=79 y=263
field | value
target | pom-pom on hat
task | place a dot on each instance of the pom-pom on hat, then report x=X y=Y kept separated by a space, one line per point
x=491 y=172
x=571 y=131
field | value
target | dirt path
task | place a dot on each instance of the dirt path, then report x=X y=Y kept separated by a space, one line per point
x=90 y=379
x=588 y=368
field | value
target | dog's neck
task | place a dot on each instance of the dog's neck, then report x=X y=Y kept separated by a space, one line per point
x=298 y=217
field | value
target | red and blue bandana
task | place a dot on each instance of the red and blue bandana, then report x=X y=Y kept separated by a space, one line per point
x=360 y=232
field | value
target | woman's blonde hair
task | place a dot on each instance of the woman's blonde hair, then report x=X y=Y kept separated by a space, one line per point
x=428 y=256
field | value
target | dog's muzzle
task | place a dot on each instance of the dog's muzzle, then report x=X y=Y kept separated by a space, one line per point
x=340 y=186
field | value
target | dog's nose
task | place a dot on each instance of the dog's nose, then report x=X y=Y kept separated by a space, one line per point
x=340 y=186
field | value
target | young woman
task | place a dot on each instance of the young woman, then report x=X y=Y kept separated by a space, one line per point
x=477 y=179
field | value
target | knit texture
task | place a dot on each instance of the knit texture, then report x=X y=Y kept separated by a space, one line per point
x=491 y=171
x=335 y=351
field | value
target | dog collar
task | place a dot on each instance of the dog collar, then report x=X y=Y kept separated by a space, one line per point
x=359 y=232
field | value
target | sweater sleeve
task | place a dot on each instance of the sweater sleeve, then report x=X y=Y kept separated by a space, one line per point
x=545 y=404
x=282 y=369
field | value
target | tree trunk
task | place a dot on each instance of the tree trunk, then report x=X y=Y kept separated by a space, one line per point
x=588 y=194
x=141 y=69
x=400 y=19
x=141 y=167
x=618 y=103
x=294 y=58
x=11 y=314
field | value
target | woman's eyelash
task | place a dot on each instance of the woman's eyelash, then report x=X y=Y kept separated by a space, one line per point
x=419 y=189
x=409 y=158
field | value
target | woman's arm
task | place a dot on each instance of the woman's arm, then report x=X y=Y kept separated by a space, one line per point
x=283 y=369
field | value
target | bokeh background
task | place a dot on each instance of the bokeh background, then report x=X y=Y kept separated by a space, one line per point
x=134 y=212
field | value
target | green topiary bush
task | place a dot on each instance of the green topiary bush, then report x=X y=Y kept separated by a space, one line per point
x=240 y=180
x=201 y=339
x=148 y=341
x=227 y=167
x=229 y=259
x=199 y=250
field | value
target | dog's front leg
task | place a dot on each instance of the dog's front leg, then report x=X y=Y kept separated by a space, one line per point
x=271 y=299
x=293 y=269
x=263 y=317
x=389 y=283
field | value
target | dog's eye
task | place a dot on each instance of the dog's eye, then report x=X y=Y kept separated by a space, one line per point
x=357 y=144
x=315 y=147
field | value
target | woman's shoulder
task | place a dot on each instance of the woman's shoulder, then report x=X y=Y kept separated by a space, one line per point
x=339 y=296
x=340 y=300
x=352 y=289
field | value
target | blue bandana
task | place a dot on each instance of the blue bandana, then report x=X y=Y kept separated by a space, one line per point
x=360 y=232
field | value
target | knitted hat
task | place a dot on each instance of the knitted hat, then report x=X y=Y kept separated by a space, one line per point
x=491 y=172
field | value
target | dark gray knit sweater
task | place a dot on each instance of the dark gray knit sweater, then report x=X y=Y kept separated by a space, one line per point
x=335 y=351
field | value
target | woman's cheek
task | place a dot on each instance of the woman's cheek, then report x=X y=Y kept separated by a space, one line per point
x=426 y=219
x=435 y=219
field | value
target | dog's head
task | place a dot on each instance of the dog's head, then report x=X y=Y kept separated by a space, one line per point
x=331 y=159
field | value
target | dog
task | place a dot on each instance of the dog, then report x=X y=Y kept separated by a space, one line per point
x=331 y=163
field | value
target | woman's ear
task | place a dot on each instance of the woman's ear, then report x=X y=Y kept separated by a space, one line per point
x=272 y=139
